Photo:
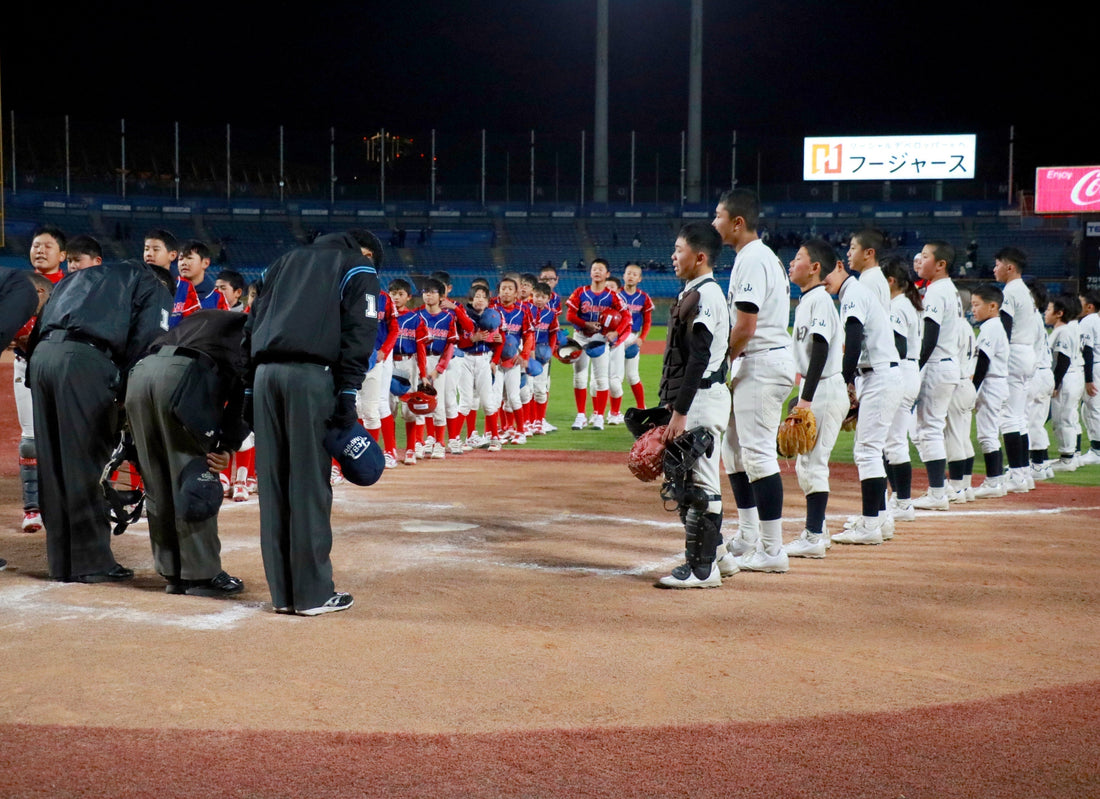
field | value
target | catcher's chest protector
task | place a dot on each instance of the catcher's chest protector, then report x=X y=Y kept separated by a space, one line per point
x=681 y=319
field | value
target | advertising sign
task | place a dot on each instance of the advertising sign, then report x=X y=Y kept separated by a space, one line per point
x=1067 y=190
x=949 y=157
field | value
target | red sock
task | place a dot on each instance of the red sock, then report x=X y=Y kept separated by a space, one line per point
x=616 y=405
x=599 y=402
x=540 y=411
x=471 y=423
x=389 y=433
x=580 y=396
x=429 y=422
x=410 y=435
x=247 y=459
x=376 y=432
x=492 y=426
x=454 y=426
x=639 y=394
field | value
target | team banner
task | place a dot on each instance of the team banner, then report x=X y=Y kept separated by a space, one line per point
x=948 y=157
x=1067 y=190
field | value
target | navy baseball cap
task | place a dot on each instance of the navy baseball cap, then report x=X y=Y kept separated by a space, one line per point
x=200 y=492
x=360 y=458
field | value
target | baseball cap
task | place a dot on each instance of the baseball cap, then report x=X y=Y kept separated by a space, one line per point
x=358 y=454
x=200 y=492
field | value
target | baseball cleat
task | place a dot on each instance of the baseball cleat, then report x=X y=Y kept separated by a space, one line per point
x=547 y=427
x=760 y=561
x=494 y=445
x=862 y=533
x=991 y=488
x=1040 y=471
x=738 y=546
x=335 y=477
x=410 y=457
x=252 y=486
x=1064 y=464
x=391 y=459
x=929 y=502
x=1090 y=458
x=596 y=422
x=887 y=527
x=338 y=601
x=616 y=418
x=727 y=565
x=227 y=487
x=32 y=521
x=454 y=447
x=439 y=452
x=807 y=545
x=240 y=491
x=580 y=422
x=902 y=510
x=684 y=576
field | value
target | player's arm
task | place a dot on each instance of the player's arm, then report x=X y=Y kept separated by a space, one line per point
x=981 y=368
x=647 y=318
x=744 y=328
x=393 y=329
x=1087 y=354
x=422 y=349
x=358 y=327
x=819 y=353
x=1061 y=366
x=462 y=319
x=1006 y=320
x=929 y=338
x=573 y=311
x=853 y=341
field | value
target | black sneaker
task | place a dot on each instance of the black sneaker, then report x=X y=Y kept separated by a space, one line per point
x=338 y=601
x=3 y=564
x=176 y=585
x=114 y=575
x=220 y=585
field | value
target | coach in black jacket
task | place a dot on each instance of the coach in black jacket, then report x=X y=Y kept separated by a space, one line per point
x=312 y=331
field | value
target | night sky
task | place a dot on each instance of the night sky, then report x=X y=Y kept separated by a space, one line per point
x=773 y=71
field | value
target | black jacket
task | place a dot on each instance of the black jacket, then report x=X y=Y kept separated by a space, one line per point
x=318 y=304
x=18 y=302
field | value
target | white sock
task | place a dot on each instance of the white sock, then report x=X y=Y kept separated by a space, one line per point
x=771 y=536
x=748 y=524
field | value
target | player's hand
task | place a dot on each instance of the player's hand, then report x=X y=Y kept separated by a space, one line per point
x=217 y=461
x=676 y=427
x=803 y=404
x=448 y=303
x=853 y=400
x=429 y=378
x=1091 y=389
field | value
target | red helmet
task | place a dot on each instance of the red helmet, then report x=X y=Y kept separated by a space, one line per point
x=422 y=401
x=610 y=321
x=569 y=351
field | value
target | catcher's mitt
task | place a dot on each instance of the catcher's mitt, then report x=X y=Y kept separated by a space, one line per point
x=797 y=434
x=646 y=458
x=850 y=420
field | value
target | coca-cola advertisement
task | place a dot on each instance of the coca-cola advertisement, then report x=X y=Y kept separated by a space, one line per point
x=1067 y=190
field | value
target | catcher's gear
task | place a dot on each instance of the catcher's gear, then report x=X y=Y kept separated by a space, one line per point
x=797 y=434
x=639 y=420
x=681 y=455
x=850 y=420
x=422 y=401
x=647 y=456
x=569 y=351
x=124 y=505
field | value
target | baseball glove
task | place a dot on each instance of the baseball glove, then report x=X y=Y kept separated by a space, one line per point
x=797 y=434
x=646 y=458
x=850 y=420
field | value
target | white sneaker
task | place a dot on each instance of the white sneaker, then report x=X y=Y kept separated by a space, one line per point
x=738 y=546
x=410 y=457
x=1064 y=465
x=1015 y=483
x=493 y=445
x=439 y=452
x=807 y=545
x=32 y=521
x=957 y=495
x=727 y=564
x=929 y=502
x=454 y=446
x=580 y=422
x=616 y=418
x=473 y=441
x=391 y=460
x=860 y=534
x=335 y=477
x=596 y=422
x=970 y=493
x=886 y=529
x=760 y=561
x=548 y=428
x=1025 y=473
x=240 y=491
x=683 y=576
x=1090 y=458
x=1040 y=471
x=419 y=450
x=519 y=438
x=991 y=488
x=902 y=510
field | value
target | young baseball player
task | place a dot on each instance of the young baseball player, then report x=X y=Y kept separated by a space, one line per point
x=409 y=362
x=549 y=275
x=515 y=353
x=1069 y=379
x=960 y=421
x=231 y=284
x=449 y=398
x=584 y=308
x=693 y=391
x=905 y=310
x=373 y=399
x=544 y=323
x=990 y=381
x=818 y=346
x=762 y=372
x=1019 y=323
x=863 y=257
x=193 y=290
x=1090 y=344
x=1039 y=389
x=870 y=370
x=628 y=357
x=441 y=336
x=939 y=366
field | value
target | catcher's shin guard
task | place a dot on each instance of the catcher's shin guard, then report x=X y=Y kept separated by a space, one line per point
x=28 y=472
x=702 y=535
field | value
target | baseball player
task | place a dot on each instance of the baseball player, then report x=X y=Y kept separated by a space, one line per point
x=625 y=359
x=990 y=381
x=583 y=310
x=960 y=421
x=47 y=253
x=516 y=349
x=905 y=310
x=480 y=355
x=863 y=258
x=549 y=275
x=1039 y=389
x=1019 y=323
x=1090 y=344
x=544 y=323
x=441 y=335
x=1069 y=379
x=410 y=362
x=195 y=290
x=939 y=366
x=373 y=400
x=762 y=372
x=870 y=370
x=19 y=299
x=693 y=391
x=818 y=346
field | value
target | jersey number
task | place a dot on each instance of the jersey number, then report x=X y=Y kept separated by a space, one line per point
x=372 y=306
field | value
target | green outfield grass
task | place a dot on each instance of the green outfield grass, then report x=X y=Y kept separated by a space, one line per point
x=562 y=411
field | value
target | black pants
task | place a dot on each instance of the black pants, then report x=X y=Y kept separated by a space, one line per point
x=76 y=427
